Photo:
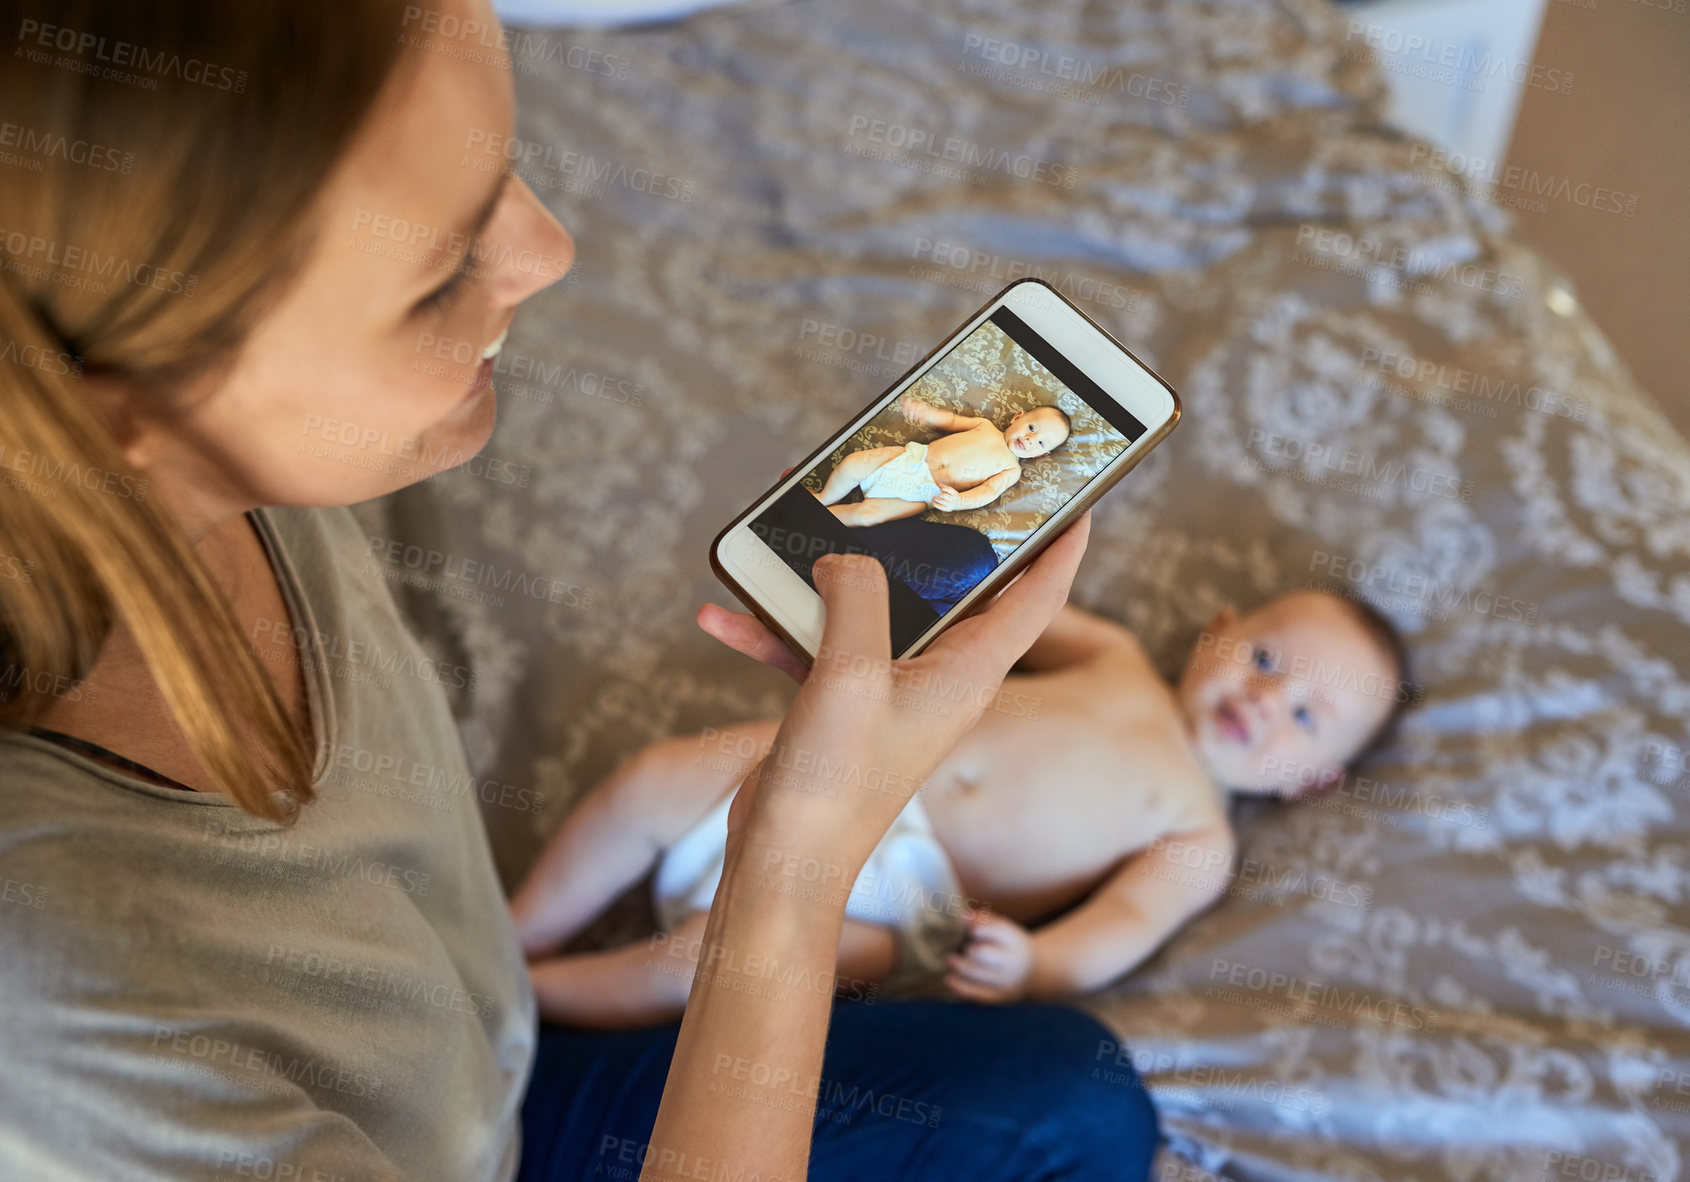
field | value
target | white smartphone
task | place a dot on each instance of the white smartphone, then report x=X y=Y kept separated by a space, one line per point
x=959 y=475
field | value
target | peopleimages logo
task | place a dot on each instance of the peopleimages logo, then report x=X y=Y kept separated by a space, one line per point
x=354 y=443
x=425 y=245
x=1348 y=1003
x=338 y=864
x=1213 y=647
x=433 y=563
x=1331 y=249
x=41 y=143
x=257 y=1066
x=997 y=270
x=63 y=472
x=1523 y=187
x=55 y=362
x=1065 y=67
x=1215 y=1083
x=461 y=38
x=1460 y=59
x=78 y=266
x=100 y=56
x=898 y=143
x=1320 y=462
x=1458 y=381
x=540 y=159
x=1386 y=799
x=1432 y=592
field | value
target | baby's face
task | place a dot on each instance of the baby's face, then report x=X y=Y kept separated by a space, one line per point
x=1033 y=433
x=1280 y=699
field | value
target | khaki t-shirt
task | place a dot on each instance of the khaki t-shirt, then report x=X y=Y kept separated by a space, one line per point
x=188 y=992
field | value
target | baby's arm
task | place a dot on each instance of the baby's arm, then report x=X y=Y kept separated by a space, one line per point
x=1074 y=637
x=951 y=500
x=1132 y=913
x=1108 y=935
x=925 y=414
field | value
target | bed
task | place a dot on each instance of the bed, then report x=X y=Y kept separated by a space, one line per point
x=1472 y=960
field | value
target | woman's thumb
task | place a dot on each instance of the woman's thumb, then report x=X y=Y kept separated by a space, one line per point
x=853 y=591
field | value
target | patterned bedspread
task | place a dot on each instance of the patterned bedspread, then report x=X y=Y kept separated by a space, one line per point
x=1472 y=961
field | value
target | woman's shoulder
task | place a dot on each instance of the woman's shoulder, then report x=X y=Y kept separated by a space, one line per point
x=76 y=833
x=31 y=783
x=49 y=792
x=62 y=847
x=36 y=778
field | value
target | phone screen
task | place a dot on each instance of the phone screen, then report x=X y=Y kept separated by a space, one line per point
x=949 y=479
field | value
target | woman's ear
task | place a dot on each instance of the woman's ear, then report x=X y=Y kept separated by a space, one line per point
x=115 y=403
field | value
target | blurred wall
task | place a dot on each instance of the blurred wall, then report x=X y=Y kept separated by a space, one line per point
x=1626 y=127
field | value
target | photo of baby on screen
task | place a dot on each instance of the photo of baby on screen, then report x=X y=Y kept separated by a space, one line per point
x=949 y=479
x=971 y=465
x=988 y=438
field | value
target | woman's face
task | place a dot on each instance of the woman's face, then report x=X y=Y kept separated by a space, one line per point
x=370 y=372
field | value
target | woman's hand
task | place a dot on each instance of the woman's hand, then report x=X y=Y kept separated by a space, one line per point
x=865 y=731
x=861 y=736
x=995 y=963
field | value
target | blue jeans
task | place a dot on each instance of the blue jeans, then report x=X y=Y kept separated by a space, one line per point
x=915 y=1090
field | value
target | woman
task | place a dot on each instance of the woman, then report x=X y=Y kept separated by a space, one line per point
x=249 y=280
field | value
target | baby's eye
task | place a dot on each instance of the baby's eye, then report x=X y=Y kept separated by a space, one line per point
x=1263 y=660
x=1304 y=717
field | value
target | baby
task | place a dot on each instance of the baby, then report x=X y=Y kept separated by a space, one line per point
x=1079 y=823
x=971 y=466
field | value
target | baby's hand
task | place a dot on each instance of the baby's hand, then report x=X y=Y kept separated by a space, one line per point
x=994 y=965
x=913 y=408
x=947 y=499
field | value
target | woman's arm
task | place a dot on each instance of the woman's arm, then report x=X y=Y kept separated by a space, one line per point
x=741 y=1093
x=863 y=734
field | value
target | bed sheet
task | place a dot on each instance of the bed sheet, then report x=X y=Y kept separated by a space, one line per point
x=1472 y=961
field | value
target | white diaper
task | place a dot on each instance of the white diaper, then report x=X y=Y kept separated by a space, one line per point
x=907 y=884
x=903 y=478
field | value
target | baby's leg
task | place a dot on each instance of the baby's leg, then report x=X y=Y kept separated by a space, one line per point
x=867 y=952
x=611 y=839
x=874 y=510
x=646 y=983
x=639 y=984
x=853 y=470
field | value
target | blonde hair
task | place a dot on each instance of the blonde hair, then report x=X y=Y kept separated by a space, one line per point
x=173 y=202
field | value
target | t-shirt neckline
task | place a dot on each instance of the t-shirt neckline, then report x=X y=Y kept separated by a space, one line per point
x=318 y=691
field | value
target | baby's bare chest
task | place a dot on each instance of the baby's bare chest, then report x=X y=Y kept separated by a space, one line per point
x=973 y=455
x=1035 y=810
